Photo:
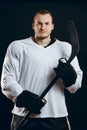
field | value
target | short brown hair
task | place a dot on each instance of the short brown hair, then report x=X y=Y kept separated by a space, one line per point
x=44 y=11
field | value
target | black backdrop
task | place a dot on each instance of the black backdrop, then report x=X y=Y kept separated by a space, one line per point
x=15 y=23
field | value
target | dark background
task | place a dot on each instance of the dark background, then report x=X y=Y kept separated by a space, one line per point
x=15 y=23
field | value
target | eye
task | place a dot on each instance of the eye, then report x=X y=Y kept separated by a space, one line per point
x=39 y=23
x=47 y=23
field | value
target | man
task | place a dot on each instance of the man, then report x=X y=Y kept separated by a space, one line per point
x=29 y=66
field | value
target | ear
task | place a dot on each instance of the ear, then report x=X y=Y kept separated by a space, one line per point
x=33 y=25
x=52 y=26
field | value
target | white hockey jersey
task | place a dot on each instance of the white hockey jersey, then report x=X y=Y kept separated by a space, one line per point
x=29 y=66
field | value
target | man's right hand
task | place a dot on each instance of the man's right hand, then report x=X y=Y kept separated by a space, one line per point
x=30 y=101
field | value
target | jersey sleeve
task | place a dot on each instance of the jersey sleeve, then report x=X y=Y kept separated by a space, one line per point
x=11 y=72
x=78 y=83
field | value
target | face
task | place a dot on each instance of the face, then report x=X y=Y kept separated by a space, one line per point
x=42 y=26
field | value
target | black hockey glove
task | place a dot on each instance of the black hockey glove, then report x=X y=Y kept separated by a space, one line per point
x=30 y=101
x=66 y=72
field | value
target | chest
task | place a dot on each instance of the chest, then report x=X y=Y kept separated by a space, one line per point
x=40 y=56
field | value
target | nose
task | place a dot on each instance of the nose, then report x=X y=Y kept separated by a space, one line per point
x=42 y=26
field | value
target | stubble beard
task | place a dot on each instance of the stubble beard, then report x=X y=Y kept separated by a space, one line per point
x=42 y=37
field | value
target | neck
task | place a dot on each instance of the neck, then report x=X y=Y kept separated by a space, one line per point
x=43 y=42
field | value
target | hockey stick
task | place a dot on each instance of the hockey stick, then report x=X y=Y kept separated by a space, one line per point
x=75 y=49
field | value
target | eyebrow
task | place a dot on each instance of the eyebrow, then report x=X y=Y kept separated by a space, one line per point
x=42 y=23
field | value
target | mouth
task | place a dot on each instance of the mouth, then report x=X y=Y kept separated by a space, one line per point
x=43 y=31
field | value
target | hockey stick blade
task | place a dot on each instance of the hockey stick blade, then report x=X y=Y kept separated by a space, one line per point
x=75 y=49
x=74 y=40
